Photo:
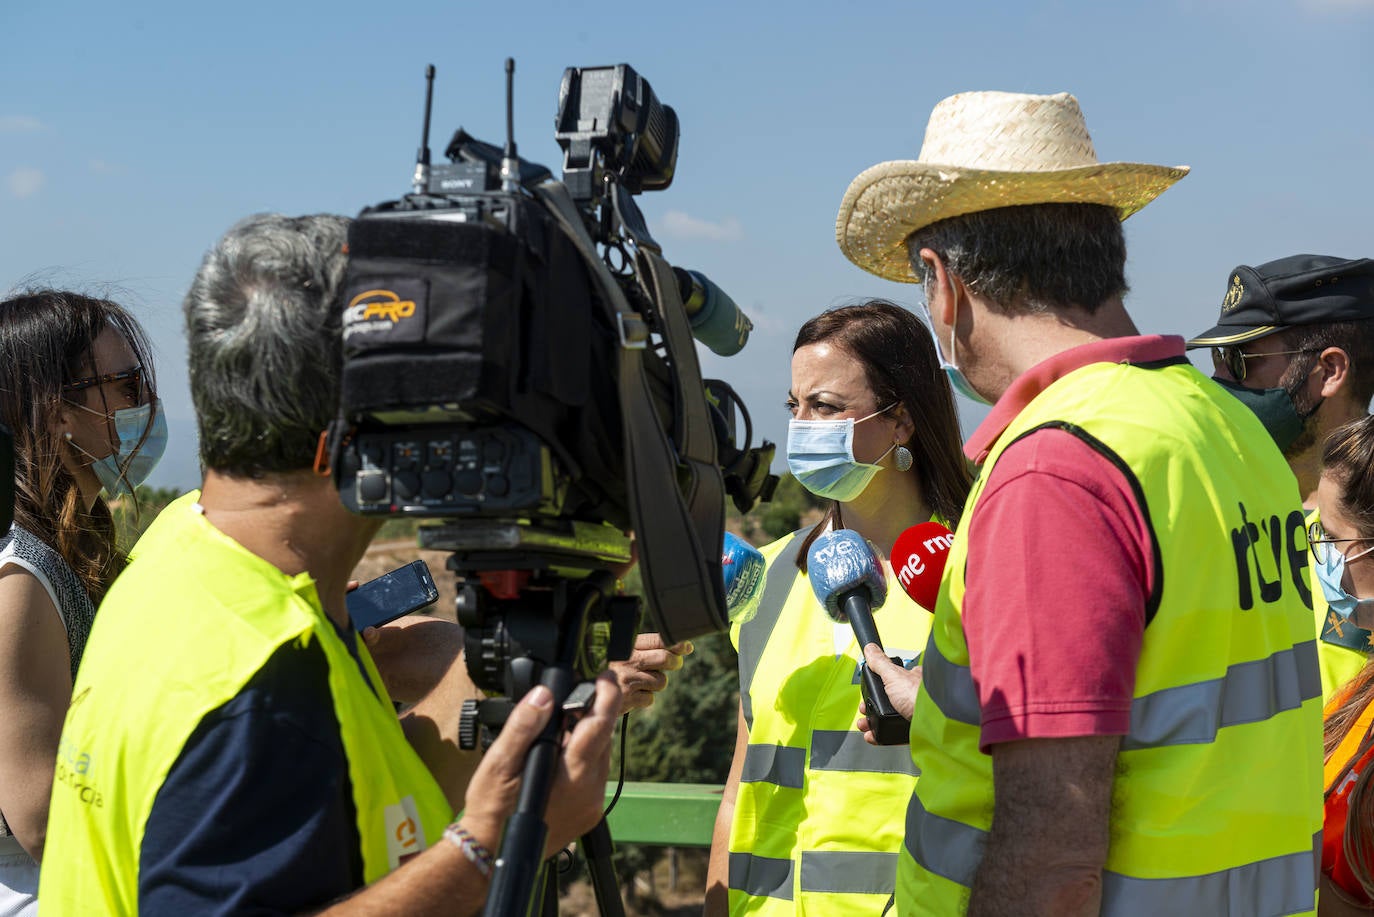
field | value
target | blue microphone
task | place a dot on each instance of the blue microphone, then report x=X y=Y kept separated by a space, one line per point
x=716 y=321
x=849 y=582
x=744 y=569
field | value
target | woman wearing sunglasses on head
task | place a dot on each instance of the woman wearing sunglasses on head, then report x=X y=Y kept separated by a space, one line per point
x=1342 y=543
x=76 y=387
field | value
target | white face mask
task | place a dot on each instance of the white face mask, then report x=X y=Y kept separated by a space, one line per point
x=820 y=455
x=957 y=380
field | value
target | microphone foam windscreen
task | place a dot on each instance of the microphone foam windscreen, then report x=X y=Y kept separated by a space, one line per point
x=743 y=569
x=918 y=561
x=843 y=562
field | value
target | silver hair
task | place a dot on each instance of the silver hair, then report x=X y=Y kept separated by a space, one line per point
x=263 y=325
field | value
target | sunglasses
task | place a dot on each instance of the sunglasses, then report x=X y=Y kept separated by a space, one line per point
x=1233 y=358
x=132 y=377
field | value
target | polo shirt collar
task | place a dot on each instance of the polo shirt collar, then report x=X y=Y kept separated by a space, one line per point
x=1149 y=348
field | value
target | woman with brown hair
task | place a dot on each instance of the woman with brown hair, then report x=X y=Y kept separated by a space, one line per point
x=1342 y=542
x=812 y=816
x=76 y=388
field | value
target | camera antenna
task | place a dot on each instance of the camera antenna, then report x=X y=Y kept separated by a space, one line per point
x=510 y=163
x=421 y=180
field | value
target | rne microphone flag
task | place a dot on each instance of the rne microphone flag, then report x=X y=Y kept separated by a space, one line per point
x=918 y=561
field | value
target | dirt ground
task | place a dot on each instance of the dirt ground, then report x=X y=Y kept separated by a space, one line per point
x=653 y=895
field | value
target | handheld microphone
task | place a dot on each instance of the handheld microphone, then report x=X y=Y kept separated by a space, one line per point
x=918 y=560
x=848 y=580
x=743 y=568
x=716 y=321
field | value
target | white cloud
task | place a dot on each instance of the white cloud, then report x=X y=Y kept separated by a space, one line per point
x=679 y=225
x=25 y=182
x=20 y=124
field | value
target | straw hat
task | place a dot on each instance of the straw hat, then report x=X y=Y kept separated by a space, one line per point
x=984 y=150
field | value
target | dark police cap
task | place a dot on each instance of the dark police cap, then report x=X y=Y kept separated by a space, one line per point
x=1298 y=290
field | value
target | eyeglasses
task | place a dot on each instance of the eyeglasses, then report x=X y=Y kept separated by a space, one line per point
x=1318 y=542
x=133 y=378
x=1234 y=359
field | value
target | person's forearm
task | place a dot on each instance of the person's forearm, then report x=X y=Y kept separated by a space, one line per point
x=717 y=902
x=1024 y=880
x=1050 y=828
x=432 y=731
x=439 y=881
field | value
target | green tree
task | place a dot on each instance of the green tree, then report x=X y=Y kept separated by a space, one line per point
x=131 y=521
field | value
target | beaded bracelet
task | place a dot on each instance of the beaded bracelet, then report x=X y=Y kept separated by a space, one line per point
x=471 y=847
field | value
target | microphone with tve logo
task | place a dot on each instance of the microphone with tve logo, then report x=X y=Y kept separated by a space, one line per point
x=743 y=569
x=848 y=580
x=918 y=560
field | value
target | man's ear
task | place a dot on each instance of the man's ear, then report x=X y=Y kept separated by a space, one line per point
x=1334 y=364
x=941 y=289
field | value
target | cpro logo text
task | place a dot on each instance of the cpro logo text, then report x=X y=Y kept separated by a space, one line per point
x=378 y=305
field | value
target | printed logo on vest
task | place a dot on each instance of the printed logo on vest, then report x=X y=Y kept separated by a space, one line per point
x=75 y=770
x=404 y=835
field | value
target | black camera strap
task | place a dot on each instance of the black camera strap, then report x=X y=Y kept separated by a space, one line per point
x=677 y=496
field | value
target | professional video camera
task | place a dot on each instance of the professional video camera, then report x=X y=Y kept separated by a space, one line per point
x=519 y=368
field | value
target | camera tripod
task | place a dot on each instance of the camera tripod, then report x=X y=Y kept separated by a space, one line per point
x=529 y=622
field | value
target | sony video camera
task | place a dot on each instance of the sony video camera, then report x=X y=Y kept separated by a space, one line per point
x=520 y=369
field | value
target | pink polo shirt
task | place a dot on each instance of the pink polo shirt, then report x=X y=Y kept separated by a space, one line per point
x=1059 y=568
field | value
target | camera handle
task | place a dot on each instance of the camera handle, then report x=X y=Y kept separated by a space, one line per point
x=521 y=878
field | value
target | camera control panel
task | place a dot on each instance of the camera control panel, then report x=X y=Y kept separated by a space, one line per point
x=438 y=470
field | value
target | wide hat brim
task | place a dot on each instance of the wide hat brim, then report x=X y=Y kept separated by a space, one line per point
x=888 y=202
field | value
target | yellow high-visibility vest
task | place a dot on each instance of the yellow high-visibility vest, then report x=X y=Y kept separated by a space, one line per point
x=818 y=814
x=1217 y=802
x=180 y=633
x=1342 y=648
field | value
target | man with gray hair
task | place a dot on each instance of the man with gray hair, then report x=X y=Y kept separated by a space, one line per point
x=230 y=746
x=1120 y=710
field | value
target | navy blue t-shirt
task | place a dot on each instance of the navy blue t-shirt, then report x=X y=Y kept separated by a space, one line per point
x=256 y=816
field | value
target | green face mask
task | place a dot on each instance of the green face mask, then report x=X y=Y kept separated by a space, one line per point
x=1274 y=408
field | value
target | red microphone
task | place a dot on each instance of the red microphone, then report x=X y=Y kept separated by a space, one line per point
x=918 y=559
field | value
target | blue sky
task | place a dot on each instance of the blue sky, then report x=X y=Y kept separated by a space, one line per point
x=132 y=135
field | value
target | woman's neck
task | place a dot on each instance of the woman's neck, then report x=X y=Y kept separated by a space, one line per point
x=892 y=503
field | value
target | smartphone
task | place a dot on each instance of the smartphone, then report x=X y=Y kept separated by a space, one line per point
x=392 y=595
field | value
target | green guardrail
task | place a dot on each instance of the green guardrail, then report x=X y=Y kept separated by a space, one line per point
x=664 y=814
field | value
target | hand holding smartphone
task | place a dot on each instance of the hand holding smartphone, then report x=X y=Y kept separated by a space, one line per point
x=392 y=595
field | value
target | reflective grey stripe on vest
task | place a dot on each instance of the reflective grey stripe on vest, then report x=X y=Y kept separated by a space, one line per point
x=776 y=764
x=846 y=750
x=827 y=871
x=762 y=877
x=848 y=872
x=754 y=634
x=1279 y=885
x=1249 y=692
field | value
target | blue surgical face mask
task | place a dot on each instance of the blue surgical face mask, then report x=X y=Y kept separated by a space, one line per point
x=957 y=380
x=820 y=455
x=129 y=465
x=1331 y=574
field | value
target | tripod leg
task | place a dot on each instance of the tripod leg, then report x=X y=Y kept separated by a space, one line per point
x=597 y=848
